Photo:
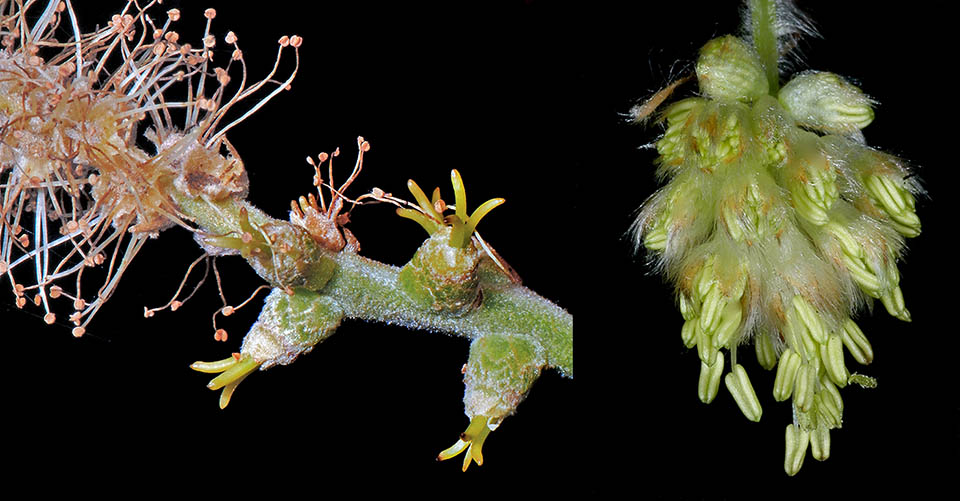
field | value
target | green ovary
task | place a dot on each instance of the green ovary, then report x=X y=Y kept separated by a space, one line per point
x=441 y=277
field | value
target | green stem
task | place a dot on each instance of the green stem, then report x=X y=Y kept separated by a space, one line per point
x=764 y=27
x=369 y=290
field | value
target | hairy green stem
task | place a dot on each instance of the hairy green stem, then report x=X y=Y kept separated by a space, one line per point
x=369 y=290
x=764 y=27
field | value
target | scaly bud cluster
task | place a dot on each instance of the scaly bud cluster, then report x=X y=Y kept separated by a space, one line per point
x=776 y=225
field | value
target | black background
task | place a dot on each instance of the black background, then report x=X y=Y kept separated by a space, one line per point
x=526 y=99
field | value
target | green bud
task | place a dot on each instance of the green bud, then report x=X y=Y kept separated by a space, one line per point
x=711 y=310
x=808 y=208
x=827 y=412
x=715 y=137
x=831 y=398
x=709 y=380
x=798 y=334
x=893 y=301
x=766 y=353
x=810 y=319
x=831 y=354
x=860 y=272
x=826 y=102
x=728 y=68
x=687 y=308
x=896 y=201
x=705 y=279
x=679 y=120
x=739 y=386
x=796 y=449
x=656 y=238
x=820 y=443
x=805 y=384
x=441 y=277
x=729 y=324
x=689 y=333
x=732 y=222
x=850 y=246
x=786 y=378
x=857 y=343
x=706 y=346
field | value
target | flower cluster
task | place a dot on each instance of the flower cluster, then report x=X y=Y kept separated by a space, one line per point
x=776 y=226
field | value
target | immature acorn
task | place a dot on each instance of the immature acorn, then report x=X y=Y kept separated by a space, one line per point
x=776 y=225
